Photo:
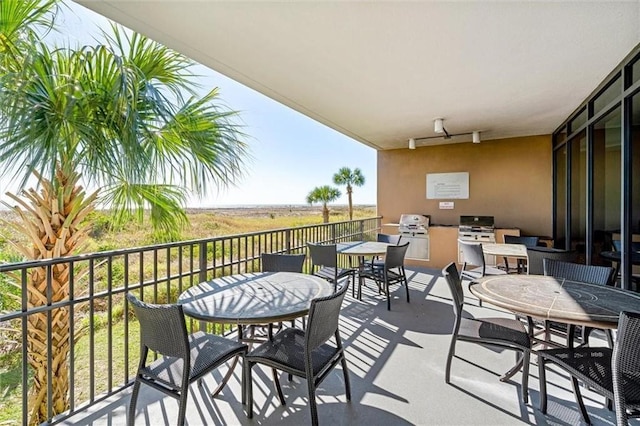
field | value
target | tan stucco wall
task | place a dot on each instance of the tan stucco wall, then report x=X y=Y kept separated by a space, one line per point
x=510 y=179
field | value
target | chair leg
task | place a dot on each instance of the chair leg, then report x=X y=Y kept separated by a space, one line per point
x=578 y=395
x=526 y=356
x=312 y=401
x=406 y=287
x=276 y=382
x=386 y=289
x=248 y=387
x=132 y=403
x=347 y=383
x=182 y=410
x=543 y=385
x=452 y=349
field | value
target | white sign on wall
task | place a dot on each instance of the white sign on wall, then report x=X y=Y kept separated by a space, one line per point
x=446 y=205
x=447 y=186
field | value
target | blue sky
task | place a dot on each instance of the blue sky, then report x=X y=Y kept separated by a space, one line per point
x=291 y=153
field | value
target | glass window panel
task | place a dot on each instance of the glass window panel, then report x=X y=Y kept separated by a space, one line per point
x=606 y=182
x=578 y=158
x=578 y=121
x=635 y=164
x=635 y=71
x=613 y=91
x=560 y=155
x=560 y=137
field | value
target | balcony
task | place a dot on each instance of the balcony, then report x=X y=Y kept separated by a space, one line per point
x=396 y=358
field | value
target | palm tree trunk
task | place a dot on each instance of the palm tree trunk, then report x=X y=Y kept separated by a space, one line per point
x=349 y=191
x=325 y=213
x=51 y=219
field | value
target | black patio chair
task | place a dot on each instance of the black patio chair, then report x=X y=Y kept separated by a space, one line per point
x=535 y=256
x=163 y=330
x=525 y=241
x=304 y=353
x=376 y=262
x=590 y=274
x=277 y=262
x=613 y=373
x=324 y=264
x=392 y=272
x=501 y=332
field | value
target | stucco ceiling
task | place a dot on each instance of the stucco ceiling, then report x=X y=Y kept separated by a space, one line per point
x=380 y=72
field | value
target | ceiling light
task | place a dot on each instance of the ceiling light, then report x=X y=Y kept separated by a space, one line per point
x=476 y=137
x=438 y=125
x=412 y=143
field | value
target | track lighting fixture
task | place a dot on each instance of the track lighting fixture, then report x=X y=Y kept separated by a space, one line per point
x=438 y=127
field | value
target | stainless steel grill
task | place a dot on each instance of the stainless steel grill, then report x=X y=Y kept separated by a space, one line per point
x=414 y=228
x=477 y=228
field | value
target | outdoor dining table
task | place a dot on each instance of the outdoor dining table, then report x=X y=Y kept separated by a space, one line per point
x=251 y=299
x=362 y=249
x=516 y=251
x=556 y=299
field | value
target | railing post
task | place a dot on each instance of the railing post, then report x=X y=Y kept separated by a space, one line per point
x=287 y=241
x=202 y=262
x=361 y=229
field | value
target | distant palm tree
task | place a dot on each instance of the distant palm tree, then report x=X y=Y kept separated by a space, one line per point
x=113 y=117
x=323 y=194
x=346 y=177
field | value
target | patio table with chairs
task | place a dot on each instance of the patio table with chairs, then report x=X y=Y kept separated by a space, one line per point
x=253 y=299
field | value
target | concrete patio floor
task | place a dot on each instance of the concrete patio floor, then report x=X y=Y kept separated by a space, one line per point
x=396 y=364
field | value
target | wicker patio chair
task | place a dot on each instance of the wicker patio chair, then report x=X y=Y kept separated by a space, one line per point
x=590 y=274
x=501 y=332
x=276 y=262
x=304 y=353
x=613 y=373
x=324 y=264
x=163 y=331
x=392 y=272
x=525 y=241
x=376 y=262
x=535 y=256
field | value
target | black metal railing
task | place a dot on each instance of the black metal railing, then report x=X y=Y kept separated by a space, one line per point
x=102 y=333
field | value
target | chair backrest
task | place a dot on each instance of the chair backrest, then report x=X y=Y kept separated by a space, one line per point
x=526 y=241
x=162 y=327
x=450 y=273
x=390 y=239
x=276 y=262
x=472 y=253
x=323 y=255
x=591 y=274
x=324 y=314
x=535 y=258
x=625 y=363
x=395 y=256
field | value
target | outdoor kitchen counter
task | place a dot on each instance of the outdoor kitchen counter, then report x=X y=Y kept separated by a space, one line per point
x=443 y=241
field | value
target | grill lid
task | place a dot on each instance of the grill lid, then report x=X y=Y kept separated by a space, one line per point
x=414 y=221
x=477 y=221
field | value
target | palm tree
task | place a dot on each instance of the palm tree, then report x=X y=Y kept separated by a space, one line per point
x=323 y=194
x=346 y=177
x=111 y=117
